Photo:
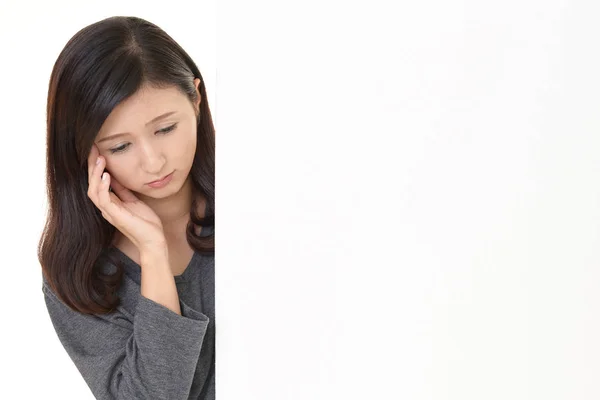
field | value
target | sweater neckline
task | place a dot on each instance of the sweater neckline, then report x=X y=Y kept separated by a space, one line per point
x=183 y=277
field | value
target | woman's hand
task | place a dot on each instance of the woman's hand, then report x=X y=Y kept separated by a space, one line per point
x=122 y=208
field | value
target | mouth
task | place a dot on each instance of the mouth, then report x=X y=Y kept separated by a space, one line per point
x=160 y=180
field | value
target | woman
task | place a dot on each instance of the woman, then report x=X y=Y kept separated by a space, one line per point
x=127 y=252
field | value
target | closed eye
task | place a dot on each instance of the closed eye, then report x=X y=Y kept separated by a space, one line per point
x=168 y=129
x=123 y=147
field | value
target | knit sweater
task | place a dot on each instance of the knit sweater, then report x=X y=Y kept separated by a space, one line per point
x=143 y=350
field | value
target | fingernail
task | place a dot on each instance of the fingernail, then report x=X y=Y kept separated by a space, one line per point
x=97 y=160
x=104 y=176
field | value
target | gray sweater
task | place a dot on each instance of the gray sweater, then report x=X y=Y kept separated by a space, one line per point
x=143 y=350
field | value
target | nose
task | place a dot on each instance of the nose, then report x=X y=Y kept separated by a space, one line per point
x=152 y=158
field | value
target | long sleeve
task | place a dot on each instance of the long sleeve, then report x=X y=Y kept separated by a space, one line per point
x=150 y=355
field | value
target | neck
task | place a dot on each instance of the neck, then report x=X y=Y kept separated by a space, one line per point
x=173 y=211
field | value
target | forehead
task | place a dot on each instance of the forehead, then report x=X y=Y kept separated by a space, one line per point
x=144 y=105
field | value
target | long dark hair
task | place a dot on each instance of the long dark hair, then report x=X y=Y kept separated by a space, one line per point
x=100 y=66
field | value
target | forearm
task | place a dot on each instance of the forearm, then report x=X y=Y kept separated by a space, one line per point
x=153 y=357
x=157 y=281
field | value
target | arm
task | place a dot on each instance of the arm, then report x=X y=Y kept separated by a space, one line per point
x=157 y=282
x=152 y=355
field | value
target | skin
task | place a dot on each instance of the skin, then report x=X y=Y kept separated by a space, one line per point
x=146 y=216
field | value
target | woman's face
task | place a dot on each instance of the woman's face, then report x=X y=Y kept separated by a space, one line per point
x=148 y=136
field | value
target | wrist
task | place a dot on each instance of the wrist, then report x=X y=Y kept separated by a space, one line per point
x=153 y=251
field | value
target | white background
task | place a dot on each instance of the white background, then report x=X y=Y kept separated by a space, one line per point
x=407 y=195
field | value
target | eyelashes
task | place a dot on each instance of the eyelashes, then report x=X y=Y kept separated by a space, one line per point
x=163 y=131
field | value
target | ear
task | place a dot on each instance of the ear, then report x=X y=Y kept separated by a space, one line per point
x=197 y=84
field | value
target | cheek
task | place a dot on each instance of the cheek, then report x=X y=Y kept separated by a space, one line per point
x=190 y=150
x=122 y=170
x=184 y=146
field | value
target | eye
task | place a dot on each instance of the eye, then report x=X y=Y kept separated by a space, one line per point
x=168 y=129
x=125 y=146
x=118 y=149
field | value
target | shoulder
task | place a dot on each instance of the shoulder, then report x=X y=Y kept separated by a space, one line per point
x=207 y=230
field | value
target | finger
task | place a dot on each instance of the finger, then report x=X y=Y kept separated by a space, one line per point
x=124 y=194
x=107 y=202
x=95 y=179
x=94 y=153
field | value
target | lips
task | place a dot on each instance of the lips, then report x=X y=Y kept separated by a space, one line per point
x=161 y=179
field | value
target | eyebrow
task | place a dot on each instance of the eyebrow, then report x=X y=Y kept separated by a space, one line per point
x=116 y=135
